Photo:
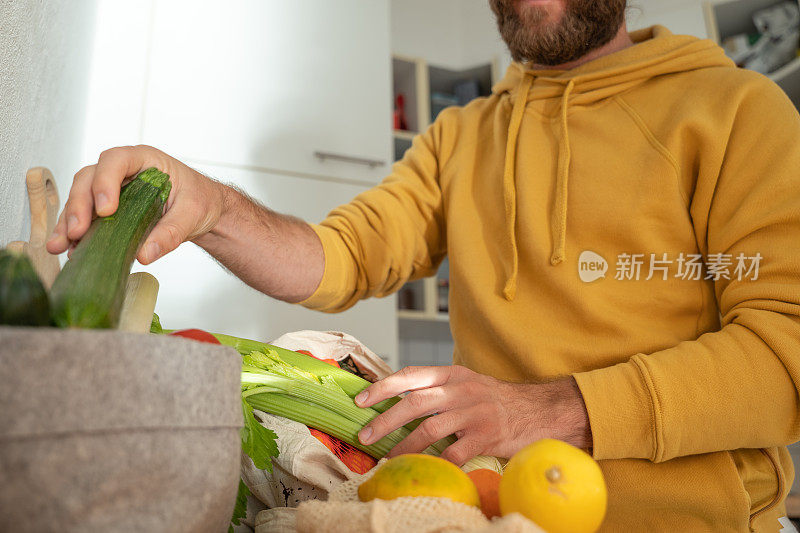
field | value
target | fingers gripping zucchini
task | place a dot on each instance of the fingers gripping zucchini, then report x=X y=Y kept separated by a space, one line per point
x=89 y=290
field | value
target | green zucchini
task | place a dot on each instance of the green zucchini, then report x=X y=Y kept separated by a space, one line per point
x=23 y=298
x=88 y=292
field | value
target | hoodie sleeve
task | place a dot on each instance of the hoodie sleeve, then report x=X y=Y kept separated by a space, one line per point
x=736 y=387
x=387 y=235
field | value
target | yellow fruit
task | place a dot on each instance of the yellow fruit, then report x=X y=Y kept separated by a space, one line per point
x=417 y=474
x=556 y=485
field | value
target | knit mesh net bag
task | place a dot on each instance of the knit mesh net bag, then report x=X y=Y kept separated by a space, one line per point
x=343 y=512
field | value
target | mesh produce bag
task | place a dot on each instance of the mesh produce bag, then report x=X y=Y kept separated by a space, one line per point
x=307 y=469
x=343 y=512
x=312 y=488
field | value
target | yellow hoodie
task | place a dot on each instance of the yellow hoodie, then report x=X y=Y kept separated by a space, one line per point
x=690 y=378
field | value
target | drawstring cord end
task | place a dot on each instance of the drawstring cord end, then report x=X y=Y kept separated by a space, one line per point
x=510 y=290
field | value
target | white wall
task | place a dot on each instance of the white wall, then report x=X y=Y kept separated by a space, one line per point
x=427 y=28
x=451 y=33
x=117 y=77
x=480 y=38
x=44 y=57
x=680 y=16
x=463 y=33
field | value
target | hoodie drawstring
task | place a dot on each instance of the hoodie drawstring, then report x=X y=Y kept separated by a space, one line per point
x=558 y=225
x=509 y=180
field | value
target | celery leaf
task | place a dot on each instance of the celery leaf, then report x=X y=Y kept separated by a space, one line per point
x=240 y=508
x=155 y=325
x=258 y=442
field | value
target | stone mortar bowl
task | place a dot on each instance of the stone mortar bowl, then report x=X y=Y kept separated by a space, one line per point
x=110 y=431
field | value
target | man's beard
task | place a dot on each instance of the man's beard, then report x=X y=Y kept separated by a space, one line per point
x=584 y=26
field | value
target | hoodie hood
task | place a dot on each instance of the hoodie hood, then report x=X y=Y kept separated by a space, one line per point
x=656 y=52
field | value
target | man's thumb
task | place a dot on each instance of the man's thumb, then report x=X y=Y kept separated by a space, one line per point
x=167 y=235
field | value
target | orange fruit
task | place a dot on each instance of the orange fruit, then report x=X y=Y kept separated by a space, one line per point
x=488 y=484
x=416 y=474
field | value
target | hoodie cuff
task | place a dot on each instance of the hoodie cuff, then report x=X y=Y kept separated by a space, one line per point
x=337 y=275
x=622 y=412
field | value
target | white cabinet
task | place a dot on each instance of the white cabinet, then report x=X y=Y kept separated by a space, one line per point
x=197 y=292
x=267 y=83
x=246 y=91
x=117 y=78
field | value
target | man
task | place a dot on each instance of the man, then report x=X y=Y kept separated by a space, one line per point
x=577 y=205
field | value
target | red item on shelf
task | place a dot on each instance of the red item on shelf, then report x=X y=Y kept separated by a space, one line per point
x=400 y=122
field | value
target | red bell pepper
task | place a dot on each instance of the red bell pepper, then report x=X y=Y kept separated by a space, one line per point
x=196 y=335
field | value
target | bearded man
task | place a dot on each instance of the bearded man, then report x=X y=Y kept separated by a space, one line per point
x=648 y=155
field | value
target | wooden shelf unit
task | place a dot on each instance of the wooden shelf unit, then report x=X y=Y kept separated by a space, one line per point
x=418 y=80
x=404 y=135
x=786 y=72
x=410 y=314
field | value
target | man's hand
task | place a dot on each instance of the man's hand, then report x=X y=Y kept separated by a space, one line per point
x=489 y=416
x=276 y=254
x=194 y=206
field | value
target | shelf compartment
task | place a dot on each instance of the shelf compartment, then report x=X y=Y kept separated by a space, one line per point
x=443 y=81
x=785 y=71
x=730 y=17
x=410 y=78
x=423 y=315
x=404 y=134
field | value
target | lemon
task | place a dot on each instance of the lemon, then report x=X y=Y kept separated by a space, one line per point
x=558 y=486
x=417 y=474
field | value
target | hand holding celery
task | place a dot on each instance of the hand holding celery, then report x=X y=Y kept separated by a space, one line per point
x=304 y=389
x=271 y=384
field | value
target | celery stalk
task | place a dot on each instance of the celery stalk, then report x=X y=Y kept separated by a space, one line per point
x=340 y=404
x=350 y=383
x=307 y=391
x=310 y=370
x=313 y=415
x=267 y=373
